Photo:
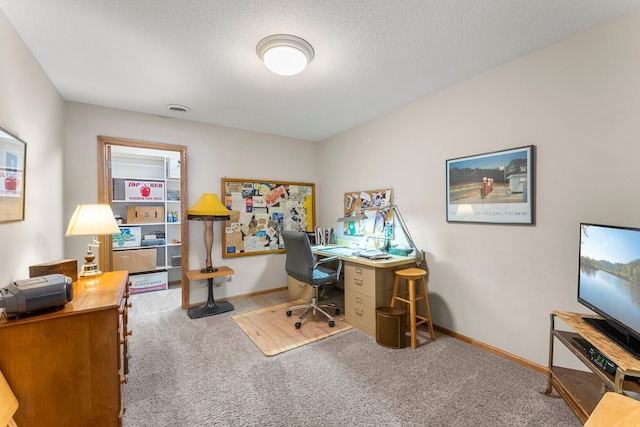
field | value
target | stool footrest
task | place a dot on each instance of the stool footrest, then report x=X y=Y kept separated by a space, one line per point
x=408 y=301
x=422 y=320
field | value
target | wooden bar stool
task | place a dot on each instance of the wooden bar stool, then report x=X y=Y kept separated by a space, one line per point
x=410 y=297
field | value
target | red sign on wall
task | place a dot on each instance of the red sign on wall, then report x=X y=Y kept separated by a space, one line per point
x=144 y=191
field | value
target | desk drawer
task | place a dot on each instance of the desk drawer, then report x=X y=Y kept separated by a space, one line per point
x=360 y=279
x=360 y=311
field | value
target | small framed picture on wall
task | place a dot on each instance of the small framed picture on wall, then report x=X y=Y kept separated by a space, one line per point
x=13 y=154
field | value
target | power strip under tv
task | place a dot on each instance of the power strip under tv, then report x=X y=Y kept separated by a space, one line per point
x=595 y=355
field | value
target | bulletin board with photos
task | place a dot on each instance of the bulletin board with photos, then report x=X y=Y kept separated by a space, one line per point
x=260 y=211
x=371 y=203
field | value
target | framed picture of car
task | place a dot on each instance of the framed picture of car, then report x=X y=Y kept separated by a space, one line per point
x=496 y=187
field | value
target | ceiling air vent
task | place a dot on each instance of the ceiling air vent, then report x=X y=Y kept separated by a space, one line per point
x=177 y=108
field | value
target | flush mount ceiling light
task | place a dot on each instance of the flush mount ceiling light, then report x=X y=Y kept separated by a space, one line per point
x=285 y=54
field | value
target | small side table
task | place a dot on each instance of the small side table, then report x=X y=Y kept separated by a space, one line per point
x=211 y=307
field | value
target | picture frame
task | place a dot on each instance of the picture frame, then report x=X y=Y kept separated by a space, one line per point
x=494 y=188
x=13 y=158
x=261 y=210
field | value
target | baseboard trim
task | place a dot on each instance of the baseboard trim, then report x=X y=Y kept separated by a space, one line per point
x=255 y=294
x=252 y=294
x=501 y=353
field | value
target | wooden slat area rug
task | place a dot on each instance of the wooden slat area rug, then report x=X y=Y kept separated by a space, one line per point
x=274 y=332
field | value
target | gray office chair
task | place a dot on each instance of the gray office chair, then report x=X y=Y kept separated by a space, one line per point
x=301 y=265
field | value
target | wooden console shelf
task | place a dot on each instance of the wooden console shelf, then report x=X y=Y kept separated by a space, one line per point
x=211 y=307
x=583 y=390
x=220 y=272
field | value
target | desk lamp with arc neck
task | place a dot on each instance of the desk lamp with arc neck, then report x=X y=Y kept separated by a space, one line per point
x=359 y=214
x=208 y=209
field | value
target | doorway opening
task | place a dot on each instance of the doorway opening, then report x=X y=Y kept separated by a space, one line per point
x=123 y=162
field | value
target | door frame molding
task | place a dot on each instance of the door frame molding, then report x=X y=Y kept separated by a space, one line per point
x=104 y=175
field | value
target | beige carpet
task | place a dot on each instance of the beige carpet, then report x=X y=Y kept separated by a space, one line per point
x=274 y=332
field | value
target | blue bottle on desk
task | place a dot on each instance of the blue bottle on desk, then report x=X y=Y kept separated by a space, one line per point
x=388 y=234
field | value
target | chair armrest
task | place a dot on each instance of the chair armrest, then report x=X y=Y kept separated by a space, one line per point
x=331 y=258
x=323 y=260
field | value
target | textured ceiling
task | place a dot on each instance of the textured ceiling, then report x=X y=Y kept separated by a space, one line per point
x=371 y=56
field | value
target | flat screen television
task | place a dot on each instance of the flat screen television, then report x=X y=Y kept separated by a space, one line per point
x=609 y=281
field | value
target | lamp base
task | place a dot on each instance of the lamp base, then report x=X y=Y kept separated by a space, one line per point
x=83 y=275
x=89 y=270
x=209 y=270
x=210 y=310
x=211 y=307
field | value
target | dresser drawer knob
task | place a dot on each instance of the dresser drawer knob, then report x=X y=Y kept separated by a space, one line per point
x=358 y=281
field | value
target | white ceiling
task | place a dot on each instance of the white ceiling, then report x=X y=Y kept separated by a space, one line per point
x=371 y=56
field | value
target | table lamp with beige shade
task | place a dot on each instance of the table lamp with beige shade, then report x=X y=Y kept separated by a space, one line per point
x=92 y=220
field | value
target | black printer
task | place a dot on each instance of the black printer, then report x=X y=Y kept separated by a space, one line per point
x=36 y=294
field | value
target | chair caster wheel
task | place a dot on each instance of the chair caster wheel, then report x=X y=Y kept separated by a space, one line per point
x=289 y=313
x=337 y=311
x=331 y=324
x=298 y=324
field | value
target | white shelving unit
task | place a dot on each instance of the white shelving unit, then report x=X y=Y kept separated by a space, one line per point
x=150 y=167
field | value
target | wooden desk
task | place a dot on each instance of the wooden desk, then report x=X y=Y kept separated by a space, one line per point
x=368 y=284
x=68 y=367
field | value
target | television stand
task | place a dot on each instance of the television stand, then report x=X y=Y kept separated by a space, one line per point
x=582 y=390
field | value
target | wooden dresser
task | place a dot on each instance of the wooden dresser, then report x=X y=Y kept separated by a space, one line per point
x=69 y=367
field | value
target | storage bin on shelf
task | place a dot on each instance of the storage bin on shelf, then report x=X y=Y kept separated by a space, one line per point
x=135 y=260
x=149 y=282
x=145 y=214
x=128 y=237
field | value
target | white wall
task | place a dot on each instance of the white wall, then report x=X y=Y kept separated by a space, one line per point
x=578 y=102
x=213 y=152
x=32 y=109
